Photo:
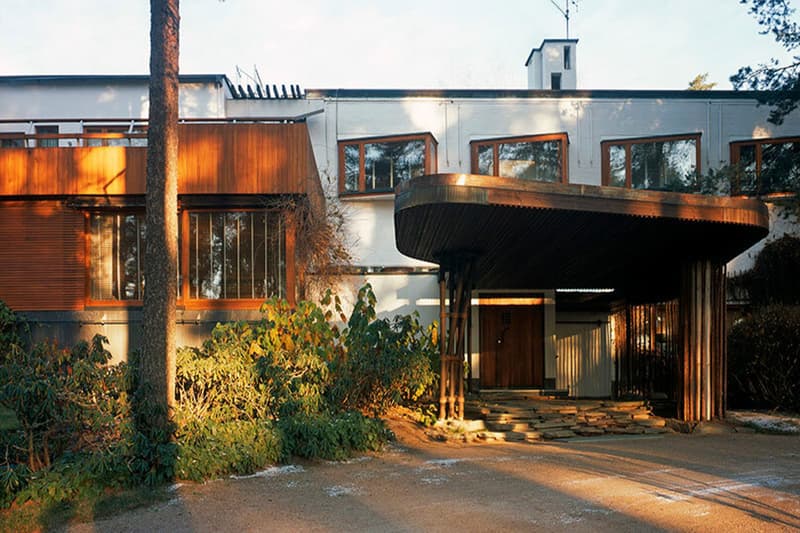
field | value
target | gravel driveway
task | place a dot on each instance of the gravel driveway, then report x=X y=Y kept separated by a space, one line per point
x=712 y=482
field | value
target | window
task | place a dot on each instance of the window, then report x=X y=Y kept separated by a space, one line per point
x=116 y=256
x=236 y=255
x=768 y=165
x=116 y=135
x=533 y=158
x=660 y=163
x=567 y=58
x=378 y=165
x=12 y=140
x=47 y=130
x=555 y=81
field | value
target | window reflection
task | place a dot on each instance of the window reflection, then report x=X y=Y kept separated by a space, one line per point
x=538 y=158
x=380 y=165
x=662 y=164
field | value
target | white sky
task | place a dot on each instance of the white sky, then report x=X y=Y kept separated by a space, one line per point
x=630 y=44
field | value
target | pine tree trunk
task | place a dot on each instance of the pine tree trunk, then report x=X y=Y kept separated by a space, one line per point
x=157 y=363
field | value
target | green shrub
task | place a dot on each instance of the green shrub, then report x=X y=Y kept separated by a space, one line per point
x=11 y=328
x=387 y=362
x=213 y=449
x=764 y=358
x=64 y=399
x=774 y=276
x=332 y=437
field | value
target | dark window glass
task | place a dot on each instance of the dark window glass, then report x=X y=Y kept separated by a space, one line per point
x=47 y=130
x=13 y=142
x=567 y=58
x=535 y=161
x=236 y=255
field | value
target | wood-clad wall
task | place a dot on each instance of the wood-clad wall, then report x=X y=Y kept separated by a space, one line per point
x=42 y=256
x=214 y=159
x=702 y=323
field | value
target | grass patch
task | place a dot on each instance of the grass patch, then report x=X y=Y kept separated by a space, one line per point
x=31 y=516
x=8 y=420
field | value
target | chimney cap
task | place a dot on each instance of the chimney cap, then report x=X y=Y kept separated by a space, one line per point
x=547 y=41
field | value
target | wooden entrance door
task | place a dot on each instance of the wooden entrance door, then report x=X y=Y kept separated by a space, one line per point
x=512 y=346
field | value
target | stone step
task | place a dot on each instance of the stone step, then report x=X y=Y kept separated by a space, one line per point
x=558 y=434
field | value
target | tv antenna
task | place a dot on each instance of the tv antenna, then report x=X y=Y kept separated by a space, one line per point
x=565 y=10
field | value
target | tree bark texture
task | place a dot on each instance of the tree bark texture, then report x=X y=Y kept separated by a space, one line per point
x=157 y=364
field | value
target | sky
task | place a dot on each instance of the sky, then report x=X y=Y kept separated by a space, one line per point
x=408 y=44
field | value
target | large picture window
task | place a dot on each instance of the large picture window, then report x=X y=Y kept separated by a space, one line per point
x=379 y=164
x=659 y=163
x=534 y=158
x=116 y=256
x=236 y=255
x=768 y=165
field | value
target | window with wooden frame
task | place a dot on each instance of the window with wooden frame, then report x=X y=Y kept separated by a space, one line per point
x=658 y=163
x=767 y=165
x=532 y=157
x=12 y=139
x=236 y=255
x=379 y=164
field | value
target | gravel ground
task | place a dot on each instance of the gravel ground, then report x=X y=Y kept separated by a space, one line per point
x=712 y=481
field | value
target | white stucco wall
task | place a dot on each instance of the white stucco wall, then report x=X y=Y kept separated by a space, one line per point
x=88 y=100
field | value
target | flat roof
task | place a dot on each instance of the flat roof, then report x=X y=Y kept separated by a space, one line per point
x=106 y=78
x=538 y=93
x=531 y=235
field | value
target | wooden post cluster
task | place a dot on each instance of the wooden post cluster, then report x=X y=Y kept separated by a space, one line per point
x=455 y=287
x=704 y=358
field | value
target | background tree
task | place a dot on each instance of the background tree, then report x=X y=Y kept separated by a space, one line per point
x=157 y=362
x=701 y=83
x=776 y=18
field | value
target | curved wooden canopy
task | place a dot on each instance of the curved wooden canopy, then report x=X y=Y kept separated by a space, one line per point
x=550 y=235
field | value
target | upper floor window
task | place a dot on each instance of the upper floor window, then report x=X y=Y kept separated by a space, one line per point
x=379 y=164
x=768 y=165
x=660 y=163
x=47 y=142
x=534 y=158
x=567 y=58
x=12 y=140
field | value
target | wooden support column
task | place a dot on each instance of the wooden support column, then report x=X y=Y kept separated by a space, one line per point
x=703 y=336
x=454 y=280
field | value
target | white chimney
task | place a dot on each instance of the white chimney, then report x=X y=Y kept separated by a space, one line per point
x=552 y=65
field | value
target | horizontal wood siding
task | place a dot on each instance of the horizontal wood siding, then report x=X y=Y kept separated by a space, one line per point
x=42 y=256
x=214 y=159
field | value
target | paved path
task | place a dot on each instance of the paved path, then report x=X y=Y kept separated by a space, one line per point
x=730 y=482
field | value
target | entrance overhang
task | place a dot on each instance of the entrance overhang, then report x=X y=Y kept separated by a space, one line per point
x=499 y=233
x=571 y=236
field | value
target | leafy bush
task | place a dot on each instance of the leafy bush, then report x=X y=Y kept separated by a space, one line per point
x=387 y=362
x=764 y=358
x=213 y=449
x=11 y=327
x=774 y=276
x=64 y=399
x=332 y=437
